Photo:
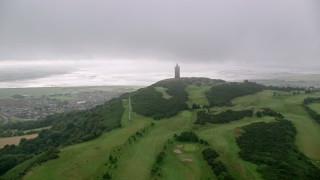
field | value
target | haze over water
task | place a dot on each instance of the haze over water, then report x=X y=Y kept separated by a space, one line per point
x=99 y=73
x=114 y=42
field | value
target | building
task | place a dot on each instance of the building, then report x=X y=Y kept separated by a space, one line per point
x=177 y=71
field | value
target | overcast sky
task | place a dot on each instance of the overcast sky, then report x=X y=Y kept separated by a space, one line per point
x=272 y=32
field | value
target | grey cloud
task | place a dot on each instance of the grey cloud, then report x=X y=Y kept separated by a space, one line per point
x=229 y=30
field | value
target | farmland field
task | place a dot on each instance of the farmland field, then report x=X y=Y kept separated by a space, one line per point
x=15 y=140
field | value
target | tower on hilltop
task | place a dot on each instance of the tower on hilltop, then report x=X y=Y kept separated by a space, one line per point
x=177 y=71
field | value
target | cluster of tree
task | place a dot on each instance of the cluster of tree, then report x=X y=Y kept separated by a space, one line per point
x=189 y=136
x=195 y=106
x=269 y=112
x=224 y=117
x=150 y=103
x=10 y=133
x=272 y=147
x=310 y=100
x=18 y=128
x=287 y=88
x=68 y=128
x=9 y=160
x=186 y=136
x=311 y=90
x=217 y=167
x=198 y=81
x=221 y=95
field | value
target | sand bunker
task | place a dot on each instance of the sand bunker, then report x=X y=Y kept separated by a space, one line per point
x=177 y=151
x=179 y=146
x=187 y=160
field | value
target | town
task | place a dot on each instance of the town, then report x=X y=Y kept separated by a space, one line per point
x=21 y=107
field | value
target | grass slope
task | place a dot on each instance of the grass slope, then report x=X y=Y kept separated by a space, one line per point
x=197 y=94
x=163 y=91
x=138 y=160
x=86 y=160
x=175 y=168
x=315 y=106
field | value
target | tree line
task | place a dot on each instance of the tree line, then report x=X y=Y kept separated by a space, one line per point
x=221 y=95
x=223 y=117
x=269 y=112
x=313 y=114
x=217 y=166
x=116 y=153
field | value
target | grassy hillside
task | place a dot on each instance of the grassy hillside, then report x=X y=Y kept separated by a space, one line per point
x=315 y=106
x=87 y=160
x=68 y=128
x=196 y=94
x=135 y=160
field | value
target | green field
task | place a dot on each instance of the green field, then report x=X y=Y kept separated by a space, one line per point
x=187 y=165
x=88 y=160
x=163 y=91
x=196 y=94
x=315 y=106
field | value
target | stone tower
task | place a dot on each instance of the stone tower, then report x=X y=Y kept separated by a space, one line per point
x=177 y=71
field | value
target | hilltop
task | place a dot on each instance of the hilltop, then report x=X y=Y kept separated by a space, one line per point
x=196 y=128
